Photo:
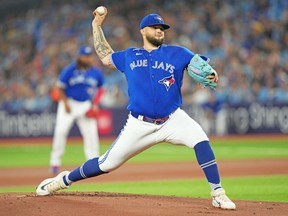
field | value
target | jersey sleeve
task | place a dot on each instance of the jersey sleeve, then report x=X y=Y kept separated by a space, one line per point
x=118 y=59
x=64 y=77
x=187 y=55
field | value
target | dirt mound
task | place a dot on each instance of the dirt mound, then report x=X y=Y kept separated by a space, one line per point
x=116 y=204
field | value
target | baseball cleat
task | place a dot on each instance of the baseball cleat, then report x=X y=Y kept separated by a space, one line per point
x=51 y=185
x=220 y=200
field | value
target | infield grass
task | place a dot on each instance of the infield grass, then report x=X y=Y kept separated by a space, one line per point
x=38 y=155
x=264 y=188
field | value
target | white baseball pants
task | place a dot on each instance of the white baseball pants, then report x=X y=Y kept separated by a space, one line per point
x=137 y=135
x=64 y=122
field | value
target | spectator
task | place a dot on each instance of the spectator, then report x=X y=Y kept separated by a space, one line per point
x=248 y=37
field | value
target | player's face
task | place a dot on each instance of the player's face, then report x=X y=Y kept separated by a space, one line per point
x=85 y=61
x=155 y=35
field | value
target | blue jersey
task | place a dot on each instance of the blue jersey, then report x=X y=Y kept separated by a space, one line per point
x=154 y=79
x=80 y=85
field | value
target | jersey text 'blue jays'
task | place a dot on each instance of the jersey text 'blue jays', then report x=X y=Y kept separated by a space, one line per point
x=80 y=85
x=155 y=78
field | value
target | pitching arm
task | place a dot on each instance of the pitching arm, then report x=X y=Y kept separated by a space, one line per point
x=102 y=47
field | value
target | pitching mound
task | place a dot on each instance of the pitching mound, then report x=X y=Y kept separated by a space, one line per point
x=116 y=204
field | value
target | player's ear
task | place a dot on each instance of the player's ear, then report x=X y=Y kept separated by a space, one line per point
x=142 y=32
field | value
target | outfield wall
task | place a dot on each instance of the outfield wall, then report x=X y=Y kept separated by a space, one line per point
x=247 y=119
x=252 y=118
x=41 y=124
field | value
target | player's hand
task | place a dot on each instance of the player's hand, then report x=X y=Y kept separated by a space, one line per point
x=213 y=77
x=99 y=18
x=67 y=107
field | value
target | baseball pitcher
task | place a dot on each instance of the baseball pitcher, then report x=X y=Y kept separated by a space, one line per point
x=154 y=73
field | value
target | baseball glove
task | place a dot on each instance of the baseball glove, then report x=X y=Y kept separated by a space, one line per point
x=202 y=72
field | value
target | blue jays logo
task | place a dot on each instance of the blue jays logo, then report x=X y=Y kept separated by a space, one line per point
x=159 y=18
x=167 y=81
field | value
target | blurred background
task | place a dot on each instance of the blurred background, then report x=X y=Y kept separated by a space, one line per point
x=247 y=42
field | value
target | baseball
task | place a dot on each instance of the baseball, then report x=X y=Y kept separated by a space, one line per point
x=100 y=10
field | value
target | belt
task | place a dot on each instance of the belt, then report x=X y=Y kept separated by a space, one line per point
x=157 y=121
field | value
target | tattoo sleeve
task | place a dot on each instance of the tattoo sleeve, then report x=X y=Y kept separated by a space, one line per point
x=101 y=45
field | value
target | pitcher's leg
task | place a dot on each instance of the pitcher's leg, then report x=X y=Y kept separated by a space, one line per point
x=182 y=129
x=190 y=133
x=134 y=138
x=206 y=159
x=207 y=162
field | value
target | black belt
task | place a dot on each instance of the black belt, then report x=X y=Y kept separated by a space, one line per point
x=157 y=121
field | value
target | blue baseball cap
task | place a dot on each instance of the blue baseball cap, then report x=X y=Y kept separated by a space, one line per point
x=152 y=20
x=85 y=50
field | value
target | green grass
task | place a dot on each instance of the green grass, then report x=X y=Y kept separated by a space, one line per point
x=267 y=188
x=38 y=155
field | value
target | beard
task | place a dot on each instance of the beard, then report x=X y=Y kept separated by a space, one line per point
x=154 y=41
x=83 y=64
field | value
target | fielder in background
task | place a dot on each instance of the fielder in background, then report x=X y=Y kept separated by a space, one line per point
x=154 y=74
x=79 y=87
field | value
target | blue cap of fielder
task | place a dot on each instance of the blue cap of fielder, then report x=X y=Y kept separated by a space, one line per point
x=152 y=20
x=85 y=50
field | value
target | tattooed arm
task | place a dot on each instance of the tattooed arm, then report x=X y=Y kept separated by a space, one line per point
x=102 y=47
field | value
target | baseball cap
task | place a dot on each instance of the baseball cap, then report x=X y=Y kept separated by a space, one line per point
x=152 y=20
x=85 y=50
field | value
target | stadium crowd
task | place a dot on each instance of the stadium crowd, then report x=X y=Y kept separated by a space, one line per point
x=247 y=42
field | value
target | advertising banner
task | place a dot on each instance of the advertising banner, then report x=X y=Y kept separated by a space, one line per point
x=247 y=119
x=258 y=118
x=41 y=124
